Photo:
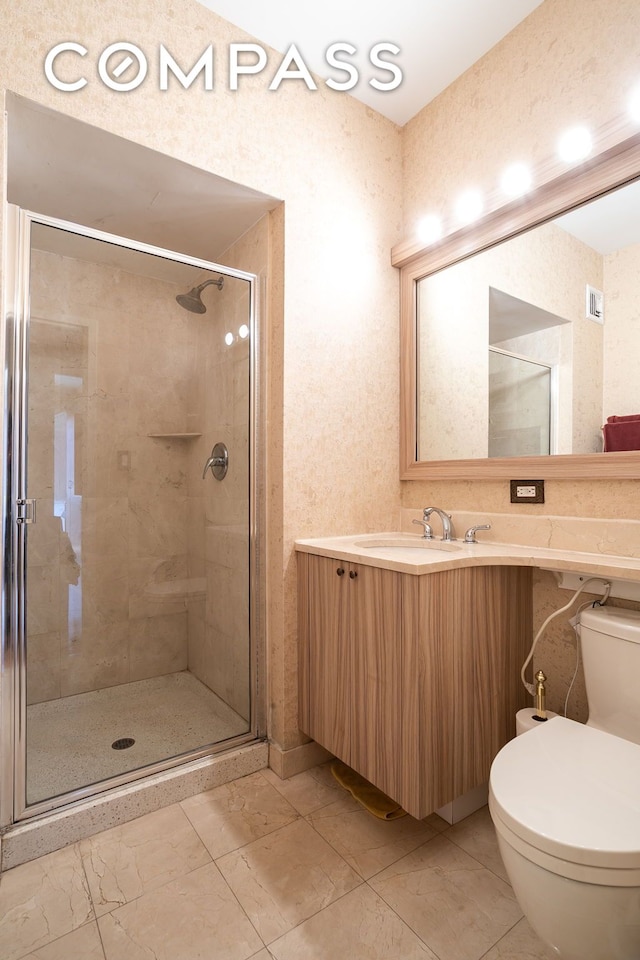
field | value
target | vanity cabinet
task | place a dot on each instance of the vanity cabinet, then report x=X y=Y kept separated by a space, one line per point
x=413 y=681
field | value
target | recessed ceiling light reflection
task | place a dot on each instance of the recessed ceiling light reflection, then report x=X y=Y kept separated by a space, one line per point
x=243 y=331
x=469 y=206
x=228 y=339
x=575 y=144
x=516 y=180
x=430 y=229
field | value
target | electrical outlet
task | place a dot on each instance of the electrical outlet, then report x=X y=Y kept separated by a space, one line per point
x=527 y=491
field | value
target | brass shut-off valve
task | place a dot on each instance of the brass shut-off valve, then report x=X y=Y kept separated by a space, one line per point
x=541 y=696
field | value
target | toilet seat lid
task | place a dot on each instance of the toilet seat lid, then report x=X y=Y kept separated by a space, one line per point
x=573 y=792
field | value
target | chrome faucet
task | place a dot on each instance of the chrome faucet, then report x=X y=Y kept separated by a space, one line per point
x=447 y=526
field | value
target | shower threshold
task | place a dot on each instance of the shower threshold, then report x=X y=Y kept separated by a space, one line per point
x=84 y=739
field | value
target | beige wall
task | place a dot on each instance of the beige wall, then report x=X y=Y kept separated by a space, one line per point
x=568 y=62
x=622 y=323
x=337 y=166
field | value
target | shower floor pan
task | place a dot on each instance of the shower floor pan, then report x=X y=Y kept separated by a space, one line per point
x=70 y=741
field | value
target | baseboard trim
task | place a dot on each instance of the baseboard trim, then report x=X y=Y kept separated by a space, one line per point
x=286 y=763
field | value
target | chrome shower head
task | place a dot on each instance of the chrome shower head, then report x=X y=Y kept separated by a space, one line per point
x=192 y=301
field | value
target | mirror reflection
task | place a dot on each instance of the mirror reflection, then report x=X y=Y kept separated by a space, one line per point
x=530 y=348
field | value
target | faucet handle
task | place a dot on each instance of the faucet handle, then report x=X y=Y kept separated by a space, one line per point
x=428 y=532
x=470 y=535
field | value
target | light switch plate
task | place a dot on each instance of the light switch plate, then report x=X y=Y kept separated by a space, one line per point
x=527 y=491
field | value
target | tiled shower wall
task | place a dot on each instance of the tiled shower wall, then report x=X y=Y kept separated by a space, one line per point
x=111 y=361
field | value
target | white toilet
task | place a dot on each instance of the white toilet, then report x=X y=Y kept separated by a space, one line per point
x=565 y=801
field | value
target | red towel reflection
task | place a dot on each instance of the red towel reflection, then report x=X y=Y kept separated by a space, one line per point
x=622 y=433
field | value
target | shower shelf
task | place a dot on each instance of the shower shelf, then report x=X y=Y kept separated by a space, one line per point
x=174 y=436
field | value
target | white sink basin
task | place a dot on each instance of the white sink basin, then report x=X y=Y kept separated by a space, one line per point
x=408 y=544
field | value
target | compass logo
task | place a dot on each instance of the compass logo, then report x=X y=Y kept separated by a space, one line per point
x=124 y=66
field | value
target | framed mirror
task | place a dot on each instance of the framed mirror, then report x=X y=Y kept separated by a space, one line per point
x=519 y=335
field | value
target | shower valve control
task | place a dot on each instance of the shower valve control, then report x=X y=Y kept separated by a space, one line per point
x=218 y=462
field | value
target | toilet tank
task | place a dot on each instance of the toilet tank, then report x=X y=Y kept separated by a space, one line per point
x=610 y=641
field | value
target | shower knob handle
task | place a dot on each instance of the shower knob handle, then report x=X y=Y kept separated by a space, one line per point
x=218 y=462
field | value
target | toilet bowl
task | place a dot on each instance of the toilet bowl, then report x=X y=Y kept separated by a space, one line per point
x=565 y=802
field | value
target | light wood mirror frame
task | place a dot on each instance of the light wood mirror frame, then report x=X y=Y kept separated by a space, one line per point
x=610 y=169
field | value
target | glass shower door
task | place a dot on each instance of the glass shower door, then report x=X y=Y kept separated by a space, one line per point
x=521 y=410
x=135 y=648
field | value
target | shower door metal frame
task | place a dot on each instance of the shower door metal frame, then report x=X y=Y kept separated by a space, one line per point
x=13 y=651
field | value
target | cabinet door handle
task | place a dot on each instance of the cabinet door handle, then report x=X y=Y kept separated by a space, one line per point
x=340 y=571
x=353 y=574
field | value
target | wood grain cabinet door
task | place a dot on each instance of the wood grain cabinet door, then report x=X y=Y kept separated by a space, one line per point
x=375 y=690
x=428 y=702
x=325 y=685
x=492 y=634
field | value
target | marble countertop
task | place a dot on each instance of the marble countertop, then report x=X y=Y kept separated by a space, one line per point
x=410 y=553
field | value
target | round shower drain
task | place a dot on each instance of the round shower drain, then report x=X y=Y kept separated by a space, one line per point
x=123 y=743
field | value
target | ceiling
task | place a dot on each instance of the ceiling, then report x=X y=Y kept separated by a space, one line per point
x=63 y=168
x=438 y=39
x=609 y=223
x=511 y=317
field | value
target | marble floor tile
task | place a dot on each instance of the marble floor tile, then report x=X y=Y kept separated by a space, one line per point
x=127 y=861
x=477 y=836
x=366 y=842
x=84 y=943
x=436 y=823
x=521 y=943
x=191 y=918
x=41 y=901
x=457 y=906
x=307 y=791
x=236 y=813
x=359 y=925
x=290 y=858
x=286 y=877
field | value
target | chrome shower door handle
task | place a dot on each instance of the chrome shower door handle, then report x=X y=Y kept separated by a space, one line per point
x=218 y=462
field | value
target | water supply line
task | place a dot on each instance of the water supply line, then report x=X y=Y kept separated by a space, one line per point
x=529 y=686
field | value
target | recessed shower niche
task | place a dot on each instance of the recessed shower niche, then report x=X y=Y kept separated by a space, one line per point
x=132 y=580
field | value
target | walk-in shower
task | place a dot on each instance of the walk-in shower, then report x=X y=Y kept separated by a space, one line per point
x=130 y=578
